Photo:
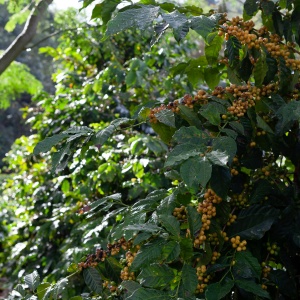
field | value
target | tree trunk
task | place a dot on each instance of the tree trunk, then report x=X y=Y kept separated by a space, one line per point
x=29 y=31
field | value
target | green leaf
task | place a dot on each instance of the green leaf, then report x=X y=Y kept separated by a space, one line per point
x=156 y=276
x=252 y=287
x=213 y=49
x=260 y=70
x=186 y=249
x=130 y=286
x=217 y=157
x=148 y=254
x=220 y=180
x=212 y=112
x=93 y=279
x=212 y=77
x=238 y=127
x=287 y=115
x=189 y=279
x=105 y=10
x=227 y=145
x=171 y=224
x=194 y=220
x=170 y=251
x=60 y=158
x=32 y=280
x=251 y=7
x=165 y=132
x=261 y=123
x=175 y=19
x=183 y=152
x=141 y=237
x=253 y=222
x=267 y=7
x=247 y=266
x=112 y=268
x=48 y=143
x=217 y=291
x=233 y=47
x=140 y=18
x=190 y=116
x=189 y=134
x=149 y=294
x=166 y=116
x=20 y=289
x=144 y=227
x=203 y=25
x=285 y=283
x=194 y=171
x=59 y=287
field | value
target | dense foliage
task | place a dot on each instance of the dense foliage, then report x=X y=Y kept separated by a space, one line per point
x=211 y=210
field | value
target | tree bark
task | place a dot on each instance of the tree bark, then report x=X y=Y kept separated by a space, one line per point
x=29 y=31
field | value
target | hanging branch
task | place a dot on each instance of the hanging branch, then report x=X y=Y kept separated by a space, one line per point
x=22 y=40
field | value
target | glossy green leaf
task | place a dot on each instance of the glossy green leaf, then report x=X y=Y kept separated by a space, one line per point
x=220 y=180
x=194 y=171
x=253 y=222
x=93 y=279
x=189 y=279
x=227 y=145
x=218 y=290
x=151 y=294
x=213 y=49
x=233 y=47
x=166 y=117
x=48 y=143
x=194 y=220
x=148 y=253
x=190 y=116
x=156 y=275
x=112 y=268
x=247 y=266
x=186 y=249
x=141 y=18
x=252 y=287
x=32 y=280
x=170 y=251
x=183 y=152
x=59 y=287
x=212 y=77
x=260 y=70
x=212 y=112
x=287 y=115
x=251 y=7
x=105 y=10
x=217 y=157
x=165 y=132
x=171 y=224
x=144 y=227
x=203 y=25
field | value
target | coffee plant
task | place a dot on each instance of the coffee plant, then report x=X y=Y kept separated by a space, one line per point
x=225 y=224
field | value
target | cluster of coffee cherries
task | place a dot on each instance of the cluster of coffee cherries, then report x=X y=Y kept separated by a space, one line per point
x=240 y=200
x=240 y=29
x=112 y=286
x=265 y=270
x=93 y=260
x=231 y=219
x=238 y=244
x=273 y=248
x=203 y=279
x=126 y=274
x=207 y=209
x=180 y=213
